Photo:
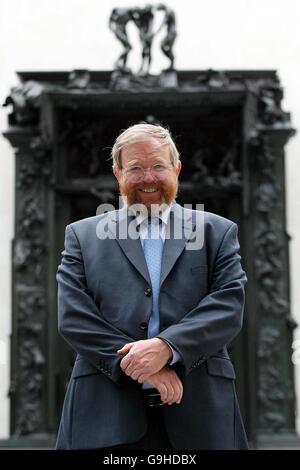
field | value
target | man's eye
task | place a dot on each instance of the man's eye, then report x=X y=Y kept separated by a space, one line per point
x=134 y=169
x=159 y=167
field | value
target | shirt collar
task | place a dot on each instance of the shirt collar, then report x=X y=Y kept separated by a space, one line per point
x=142 y=217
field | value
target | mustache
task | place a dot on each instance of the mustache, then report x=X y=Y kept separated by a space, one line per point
x=168 y=191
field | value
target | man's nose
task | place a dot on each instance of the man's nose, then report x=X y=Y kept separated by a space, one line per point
x=148 y=177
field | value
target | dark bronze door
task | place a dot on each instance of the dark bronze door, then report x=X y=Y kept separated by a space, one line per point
x=230 y=131
x=210 y=146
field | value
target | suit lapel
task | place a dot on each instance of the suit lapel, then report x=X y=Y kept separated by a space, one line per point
x=131 y=247
x=179 y=230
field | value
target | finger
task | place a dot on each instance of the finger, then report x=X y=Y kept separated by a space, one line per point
x=170 y=393
x=135 y=374
x=125 y=349
x=181 y=396
x=131 y=369
x=181 y=392
x=128 y=373
x=129 y=363
x=178 y=393
x=170 y=400
x=134 y=363
x=176 y=384
x=163 y=392
x=140 y=365
x=178 y=389
x=142 y=378
x=125 y=362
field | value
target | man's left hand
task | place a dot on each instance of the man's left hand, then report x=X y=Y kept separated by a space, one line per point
x=144 y=358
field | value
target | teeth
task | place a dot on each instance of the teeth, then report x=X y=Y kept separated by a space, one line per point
x=149 y=190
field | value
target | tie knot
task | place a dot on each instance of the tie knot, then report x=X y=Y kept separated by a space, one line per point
x=154 y=221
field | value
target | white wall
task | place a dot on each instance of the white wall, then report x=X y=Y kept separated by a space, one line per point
x=69 y=34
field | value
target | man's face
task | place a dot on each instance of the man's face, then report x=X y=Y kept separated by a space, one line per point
x=153 y=187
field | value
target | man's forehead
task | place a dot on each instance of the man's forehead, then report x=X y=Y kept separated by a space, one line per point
x=145 y=149
x=149 y=143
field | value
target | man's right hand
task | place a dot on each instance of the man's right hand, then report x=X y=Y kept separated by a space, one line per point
x=168 y=384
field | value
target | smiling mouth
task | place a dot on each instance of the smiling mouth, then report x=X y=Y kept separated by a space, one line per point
x=149 y=190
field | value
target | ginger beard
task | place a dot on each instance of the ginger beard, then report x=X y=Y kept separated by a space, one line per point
x=151 y=190
x=167 y=192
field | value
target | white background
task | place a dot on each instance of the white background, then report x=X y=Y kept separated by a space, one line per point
x=72 y=34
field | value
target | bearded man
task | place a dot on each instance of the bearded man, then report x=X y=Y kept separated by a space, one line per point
x=150 y=313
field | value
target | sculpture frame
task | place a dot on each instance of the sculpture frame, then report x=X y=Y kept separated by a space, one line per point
x=265 y=129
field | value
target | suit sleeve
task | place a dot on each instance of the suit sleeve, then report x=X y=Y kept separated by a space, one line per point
x=79 y=320
x=217 y=319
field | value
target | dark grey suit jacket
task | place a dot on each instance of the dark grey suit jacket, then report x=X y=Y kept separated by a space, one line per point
x=104 y=302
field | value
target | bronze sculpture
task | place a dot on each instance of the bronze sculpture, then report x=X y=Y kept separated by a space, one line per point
x=117 y=23
x=143 y=20
x=171 y=33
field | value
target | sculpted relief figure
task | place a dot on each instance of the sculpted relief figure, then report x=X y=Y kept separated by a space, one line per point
x=143 y=19
x=169 y=22
x=118 y=21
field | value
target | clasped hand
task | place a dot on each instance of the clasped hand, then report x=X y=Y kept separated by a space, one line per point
x=146 y=360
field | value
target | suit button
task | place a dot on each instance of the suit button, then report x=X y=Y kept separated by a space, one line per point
x=143 y=325
x=148 y=292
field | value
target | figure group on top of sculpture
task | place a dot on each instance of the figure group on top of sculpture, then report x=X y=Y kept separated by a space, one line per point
x=143 y=19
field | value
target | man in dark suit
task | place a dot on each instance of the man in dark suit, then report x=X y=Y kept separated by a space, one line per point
x=149 y=296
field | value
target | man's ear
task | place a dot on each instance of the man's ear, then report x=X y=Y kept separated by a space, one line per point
x=178 y=168
x=117 y=173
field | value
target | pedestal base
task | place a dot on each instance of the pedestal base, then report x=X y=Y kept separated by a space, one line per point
x=38 y=442
x=289 y=441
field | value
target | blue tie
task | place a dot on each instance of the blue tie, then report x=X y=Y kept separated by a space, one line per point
x=153 y=248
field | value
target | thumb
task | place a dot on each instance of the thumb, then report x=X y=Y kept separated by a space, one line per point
x=125 y=349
